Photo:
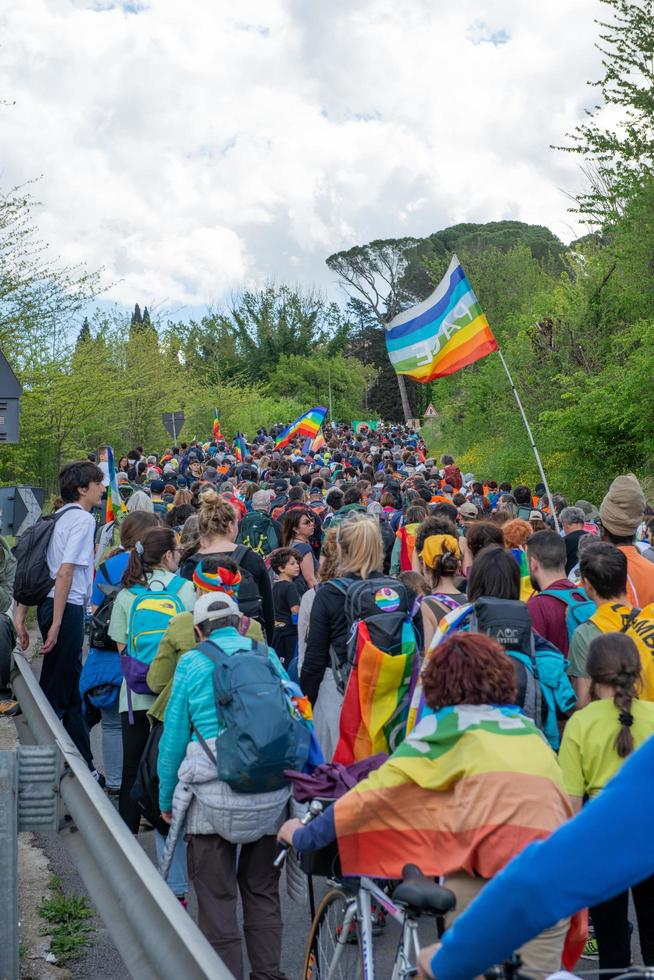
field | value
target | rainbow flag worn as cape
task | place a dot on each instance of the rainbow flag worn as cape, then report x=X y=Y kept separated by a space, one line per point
x=467 y=791
x=216 y=434
x=443 y=334
x=376 y=702
x=306 y=425
x=115 y=505
x=526 y=588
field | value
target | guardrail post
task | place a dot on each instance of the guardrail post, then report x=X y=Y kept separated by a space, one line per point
x=8 y=866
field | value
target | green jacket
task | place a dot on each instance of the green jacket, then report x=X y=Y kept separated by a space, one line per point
x=178 y=639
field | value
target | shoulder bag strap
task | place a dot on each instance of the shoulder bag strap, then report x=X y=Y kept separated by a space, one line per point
x=205 y=748
x=239 y=553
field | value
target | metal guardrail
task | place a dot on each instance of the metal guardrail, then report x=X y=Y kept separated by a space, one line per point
x=155 y=937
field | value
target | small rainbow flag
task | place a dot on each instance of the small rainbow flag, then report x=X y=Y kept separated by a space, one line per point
x=468 y=790
x=115 y=505
x=306 y=425
x=240 y=448
x=318 y=442
x=216 y=433
x=443 y=334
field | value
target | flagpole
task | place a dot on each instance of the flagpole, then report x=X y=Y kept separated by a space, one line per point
x=531 y=439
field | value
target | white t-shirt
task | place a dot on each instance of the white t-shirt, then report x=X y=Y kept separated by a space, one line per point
x=72 y=542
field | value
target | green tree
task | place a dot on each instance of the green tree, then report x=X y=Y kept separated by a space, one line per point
x=307 y=381
x=619 y=154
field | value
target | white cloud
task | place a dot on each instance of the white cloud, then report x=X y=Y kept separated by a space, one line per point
x=192 y=148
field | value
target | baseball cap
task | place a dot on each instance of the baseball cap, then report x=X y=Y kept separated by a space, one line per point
x=157 y=486
x=214 y=607
x=280 y=485
x=469 y=511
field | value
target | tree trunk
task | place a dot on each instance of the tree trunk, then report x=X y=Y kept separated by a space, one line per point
x=404 y=395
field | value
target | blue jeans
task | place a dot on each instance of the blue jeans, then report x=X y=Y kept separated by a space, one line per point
x=112 y=745
x=177 y=879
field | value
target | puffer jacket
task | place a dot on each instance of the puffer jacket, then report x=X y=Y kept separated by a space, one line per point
x=204 y=804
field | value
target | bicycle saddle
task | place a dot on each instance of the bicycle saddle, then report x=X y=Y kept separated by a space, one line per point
x=422 y=894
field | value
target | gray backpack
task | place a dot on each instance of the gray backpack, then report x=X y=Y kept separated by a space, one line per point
x=260 y=737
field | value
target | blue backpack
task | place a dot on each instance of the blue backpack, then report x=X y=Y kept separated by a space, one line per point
x=580 y=607
x=260 y=737
x=149 y=618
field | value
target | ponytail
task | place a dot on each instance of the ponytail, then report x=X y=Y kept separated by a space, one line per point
x=613 y=660
x=146 y=555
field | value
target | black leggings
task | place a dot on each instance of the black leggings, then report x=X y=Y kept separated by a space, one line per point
x=611 y=922
x=134 y=738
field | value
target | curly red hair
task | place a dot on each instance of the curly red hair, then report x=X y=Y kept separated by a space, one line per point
x=516 y=533
x=468 y=668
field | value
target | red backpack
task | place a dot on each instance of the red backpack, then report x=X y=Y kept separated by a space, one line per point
x=452 y=476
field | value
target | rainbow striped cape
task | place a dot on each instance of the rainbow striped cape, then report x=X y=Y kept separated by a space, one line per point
x=115 y=508
x=306 y=425
x=443 y=334
x=465 y=792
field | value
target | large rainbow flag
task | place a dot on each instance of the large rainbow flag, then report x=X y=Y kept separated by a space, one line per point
x=115 y=506
x=468 y=790
x=306 y=425
x=443 y=334
x=376 y=702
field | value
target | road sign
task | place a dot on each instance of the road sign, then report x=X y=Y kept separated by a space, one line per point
x=173 y=422
x=20 y=507
x=430 y=412
x=10 y=393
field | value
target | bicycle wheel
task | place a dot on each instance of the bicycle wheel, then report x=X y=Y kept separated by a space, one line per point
x=323 y=943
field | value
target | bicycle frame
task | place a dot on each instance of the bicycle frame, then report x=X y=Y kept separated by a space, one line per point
x=360 y=905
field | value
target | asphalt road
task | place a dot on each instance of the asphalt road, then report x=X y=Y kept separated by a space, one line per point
x=103 y=962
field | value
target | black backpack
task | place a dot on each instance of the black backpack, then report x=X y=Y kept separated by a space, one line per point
x=99 y=637
x=388 y=542
x=384 y=604
x=33 y=580
x=249 y=598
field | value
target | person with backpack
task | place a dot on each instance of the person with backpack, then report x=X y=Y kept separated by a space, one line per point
x=230 y=750
x=401 y=558
x=218 y=530
x=101 y=677
x=604 y=577
x=596 y=742
x=451 y=473
x=524 y=502
x=439 y=555
x=54 y=572
x=257 y=530
x=151 y=596
x=558 y=606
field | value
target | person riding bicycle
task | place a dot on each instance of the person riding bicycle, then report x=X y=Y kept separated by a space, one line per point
x=469 y=788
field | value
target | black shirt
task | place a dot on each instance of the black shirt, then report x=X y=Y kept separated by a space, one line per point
x=285 y=595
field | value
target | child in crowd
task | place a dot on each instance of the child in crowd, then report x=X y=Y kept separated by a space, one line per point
x=285 y=563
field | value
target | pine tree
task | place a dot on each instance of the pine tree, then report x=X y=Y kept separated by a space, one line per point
x=619 y=157
x=84 y=334
x=137 y=319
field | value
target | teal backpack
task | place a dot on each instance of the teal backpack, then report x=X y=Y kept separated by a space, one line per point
x=580 y=607
x=149 y=618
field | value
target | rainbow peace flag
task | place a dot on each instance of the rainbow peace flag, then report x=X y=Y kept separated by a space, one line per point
x=376 y=702
x=240 y=448
x=470 y=788
x=318 y=442
x=443 y=334
x=115 y=505
x=306 y=425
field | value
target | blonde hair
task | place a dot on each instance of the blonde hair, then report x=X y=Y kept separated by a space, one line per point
x=359 y=544
x=215 y=515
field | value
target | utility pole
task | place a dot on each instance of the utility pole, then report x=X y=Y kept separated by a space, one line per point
x=331 y=407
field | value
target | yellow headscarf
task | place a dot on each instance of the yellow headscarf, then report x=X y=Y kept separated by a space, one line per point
x=436 y=545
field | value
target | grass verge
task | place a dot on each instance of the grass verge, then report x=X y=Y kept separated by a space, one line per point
x=67 y=918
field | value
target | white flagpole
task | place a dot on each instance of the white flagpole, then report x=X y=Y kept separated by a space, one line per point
x=531 y=439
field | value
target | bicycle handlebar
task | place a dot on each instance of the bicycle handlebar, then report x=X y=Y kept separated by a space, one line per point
x=315 y=809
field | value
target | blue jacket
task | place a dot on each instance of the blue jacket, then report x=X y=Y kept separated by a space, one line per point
x=598 y=854
x=192 y=706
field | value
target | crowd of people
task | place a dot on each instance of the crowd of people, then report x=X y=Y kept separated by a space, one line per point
x=387 y=605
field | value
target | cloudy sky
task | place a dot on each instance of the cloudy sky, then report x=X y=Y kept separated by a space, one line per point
x=193 y=148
